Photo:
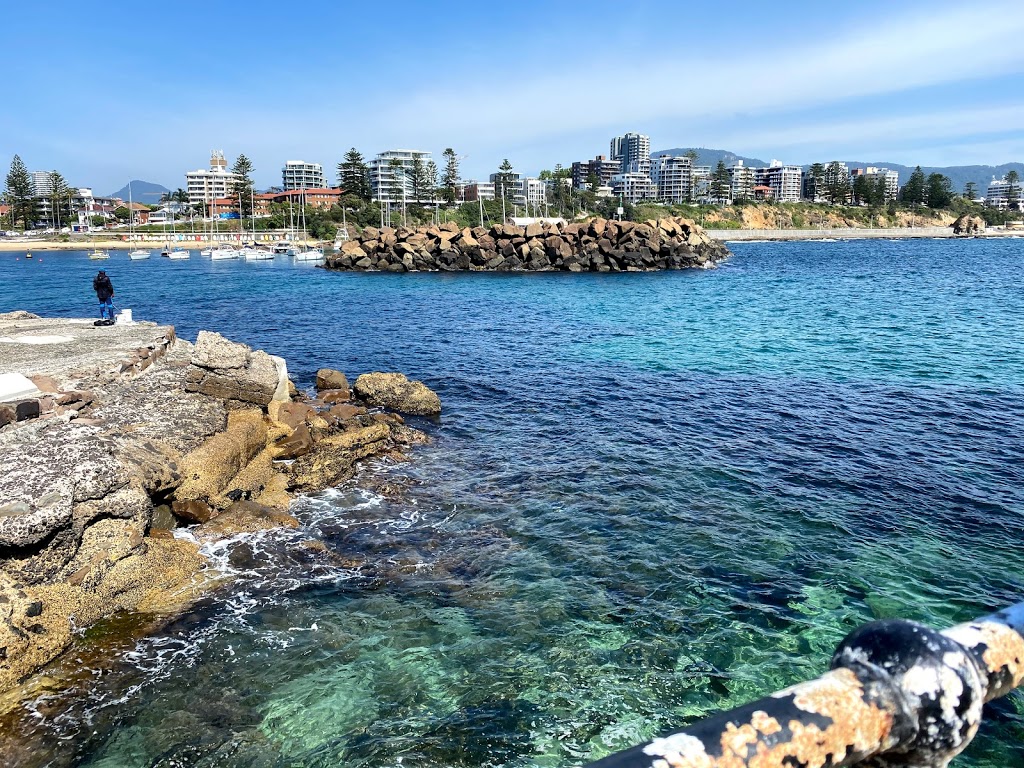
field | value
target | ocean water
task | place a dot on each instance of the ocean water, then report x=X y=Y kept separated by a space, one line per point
x=650 y=497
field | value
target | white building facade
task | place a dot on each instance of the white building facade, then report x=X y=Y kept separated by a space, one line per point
x=784 y=181
x=673 y=178
x=391 y=174
x=633 y=187
x=742 y=180
x=633 y=152
x=205 y=186
x=298 y=174
x=998 y=194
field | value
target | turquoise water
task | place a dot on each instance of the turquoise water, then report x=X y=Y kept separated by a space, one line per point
x=650 y=497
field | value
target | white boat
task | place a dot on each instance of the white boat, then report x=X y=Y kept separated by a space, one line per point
x=97 y=254
x=206 y=252
x=223 y=253
x=310 y=254
x=256 y=254
x=179 y=254
x=281 y=246
x=137 y=254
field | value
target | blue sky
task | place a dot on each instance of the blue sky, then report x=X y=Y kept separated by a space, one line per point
x=108 y=92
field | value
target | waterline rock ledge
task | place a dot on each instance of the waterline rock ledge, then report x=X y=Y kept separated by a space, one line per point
x=598 y=245
x=137 y=446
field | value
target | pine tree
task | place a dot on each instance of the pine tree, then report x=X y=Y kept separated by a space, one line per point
x=816 y=179
x=418 y=177
x=913 y=191
x=720 y=183
x=21 y=195
x=431 y=181
x=450 y=180
x=503 y=180
x=353 y=175
x=837 y=183
x=58 y=194
x=939 y=190
x=1013 y=190
x=970 y=190
x=241 y=187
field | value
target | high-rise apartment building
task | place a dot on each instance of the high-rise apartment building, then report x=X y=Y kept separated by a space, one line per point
x=785 y=182
x=999 y=194
x=633 y=153
x=297 y=174
x=742 y=180
x=673 y=178
x=42 y=184
x=392 y=175
x=600 y=168
x=205 y=186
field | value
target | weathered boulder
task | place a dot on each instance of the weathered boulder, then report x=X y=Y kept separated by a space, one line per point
x=245 y=517
x=396 y=392
x=224 y=369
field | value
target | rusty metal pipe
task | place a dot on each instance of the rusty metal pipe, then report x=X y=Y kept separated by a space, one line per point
x=899 y=695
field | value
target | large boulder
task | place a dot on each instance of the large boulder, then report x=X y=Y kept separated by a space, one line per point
x=224 y=369
x=397 y=393
x=328 y=378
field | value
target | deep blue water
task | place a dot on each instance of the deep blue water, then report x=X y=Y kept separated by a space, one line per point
x=650 y=496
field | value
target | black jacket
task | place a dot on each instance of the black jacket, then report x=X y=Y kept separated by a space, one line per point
x=103 y=287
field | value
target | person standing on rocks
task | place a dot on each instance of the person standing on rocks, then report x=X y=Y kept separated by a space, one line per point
x=104 y=292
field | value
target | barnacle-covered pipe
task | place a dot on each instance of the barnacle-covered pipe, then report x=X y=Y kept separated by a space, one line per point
x=899 y=694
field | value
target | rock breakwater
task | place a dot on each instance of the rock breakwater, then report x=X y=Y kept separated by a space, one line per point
x=598 y=245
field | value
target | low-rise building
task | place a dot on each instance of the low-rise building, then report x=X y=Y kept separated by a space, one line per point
x=323 y=198
x=205 y=185
x=298 y=174
x=633 y=187
x=472 y=191
x=531 y=193
x=889 y=178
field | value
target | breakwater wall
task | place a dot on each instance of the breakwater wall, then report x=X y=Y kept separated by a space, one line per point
x=851 y=233
x=598 y=245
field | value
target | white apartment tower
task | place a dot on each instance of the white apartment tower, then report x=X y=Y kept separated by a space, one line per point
x=784 y=181
x=673 y=178
x=205 y=186
x=391 y=175
x=633 y=151
x=298 y=174
x=998 y=194
x=742 y=180
x=42 y=184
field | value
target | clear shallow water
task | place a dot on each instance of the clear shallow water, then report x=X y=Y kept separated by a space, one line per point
x=650 y=497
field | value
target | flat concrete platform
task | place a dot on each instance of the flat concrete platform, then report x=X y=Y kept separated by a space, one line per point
x=72 y=350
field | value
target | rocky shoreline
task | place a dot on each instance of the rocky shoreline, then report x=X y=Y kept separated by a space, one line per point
x=599 y=245
x=132 y=436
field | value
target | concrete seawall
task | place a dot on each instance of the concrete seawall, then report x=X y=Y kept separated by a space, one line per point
x=848 y=233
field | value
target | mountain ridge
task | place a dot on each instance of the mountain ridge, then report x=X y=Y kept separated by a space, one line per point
x=145 y=192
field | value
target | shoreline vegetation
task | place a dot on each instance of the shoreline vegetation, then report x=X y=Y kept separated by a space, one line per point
x=776 y=222
x=136 y=449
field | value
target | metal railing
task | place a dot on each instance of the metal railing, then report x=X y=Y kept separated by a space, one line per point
x=898 y=692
